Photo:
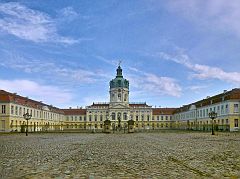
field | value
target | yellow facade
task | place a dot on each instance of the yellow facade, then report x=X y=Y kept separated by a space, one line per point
x=119 y=111
x=11 y=119
x=197 y=117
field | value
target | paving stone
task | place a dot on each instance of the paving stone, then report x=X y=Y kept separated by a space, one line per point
x=139 y=155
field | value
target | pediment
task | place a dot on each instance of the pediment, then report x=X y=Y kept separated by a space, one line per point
x=119 y=106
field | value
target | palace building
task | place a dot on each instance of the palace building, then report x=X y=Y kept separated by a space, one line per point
x=119 y=114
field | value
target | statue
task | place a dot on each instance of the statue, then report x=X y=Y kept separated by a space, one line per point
x=119 y=63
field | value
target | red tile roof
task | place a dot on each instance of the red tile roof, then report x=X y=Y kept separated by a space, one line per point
x=99 y=104
x=163 y=111
x=226 y=95
x=75 y=111
x=14 y=98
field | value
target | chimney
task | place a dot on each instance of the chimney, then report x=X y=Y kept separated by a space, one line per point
x=224 y=91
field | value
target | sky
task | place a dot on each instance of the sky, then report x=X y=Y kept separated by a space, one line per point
x=173 y=53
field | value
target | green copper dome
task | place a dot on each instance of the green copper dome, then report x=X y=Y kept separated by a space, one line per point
x=119 y=81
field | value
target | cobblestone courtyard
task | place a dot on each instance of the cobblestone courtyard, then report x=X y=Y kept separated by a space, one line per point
x=138 y=155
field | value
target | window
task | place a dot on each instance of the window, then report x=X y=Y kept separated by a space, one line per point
x=236 y=108
x=226 y=121
x=125 y=97
x=142 y=117
x=125 y=116
x=221 y=109
x=119 y=97
x=3 y=109
x=20 y=111
x=158 y=118
x=95 y=117
x=113 y=116
x=148 y=117
x=80 y=118
x=161 y=117
x=226 y=111
x=90 y=118
x=12 y=109
x=235 y=122
x=166 y=117
x=137 y=118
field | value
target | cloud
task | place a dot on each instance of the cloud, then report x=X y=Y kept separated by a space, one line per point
x=49 y=94
x=108 y=61
x=197 y=88
x=148 y=82
x=28 y=24
x=52 y=69
x=215 y=14
x=203 y=71
x=69 y=13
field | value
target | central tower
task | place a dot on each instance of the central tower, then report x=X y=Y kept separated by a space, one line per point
x=119 y=90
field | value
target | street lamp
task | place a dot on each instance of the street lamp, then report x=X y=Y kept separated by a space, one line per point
x=212 y=115
x=27 y=117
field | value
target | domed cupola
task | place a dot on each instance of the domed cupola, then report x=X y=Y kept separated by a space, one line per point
x=119 y=89
x=119 y=81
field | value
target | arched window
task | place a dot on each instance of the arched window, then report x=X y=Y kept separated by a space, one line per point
x=125 y=97
x=119 y=97
x=125 y=116
x=119 y=116
x=113 y=116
